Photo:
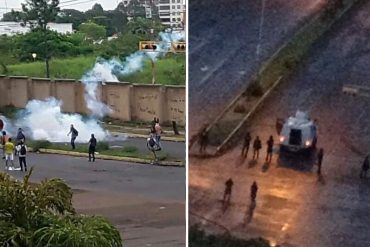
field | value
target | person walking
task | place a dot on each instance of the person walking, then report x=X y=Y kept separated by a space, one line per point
x=365 y=167
x=9 y=153
x=92 y=148
x=4 y=139
x=22 y=151
x=246 y=144
x=320 y=156
x=254 y=189
x=270 y=146
x=74 y=134
x=227 y=193
x=256 y=147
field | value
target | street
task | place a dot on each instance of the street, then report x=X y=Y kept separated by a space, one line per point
x=146 y=203
x=223 y=41
x=295 y=206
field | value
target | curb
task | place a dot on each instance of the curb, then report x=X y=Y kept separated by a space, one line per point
x=116 y=158
x=163 y=138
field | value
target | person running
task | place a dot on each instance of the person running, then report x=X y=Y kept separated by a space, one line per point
x=246 y=144
x=9 y=153
x=4 y=139
x=22 y=151
x=320 y=156
x=256 y=147
x=74 y=135
x=270 y=146
x=92 y=148
x=365 y=167
x=254 y=189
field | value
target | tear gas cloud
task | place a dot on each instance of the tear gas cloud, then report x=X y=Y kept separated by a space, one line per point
x=108 y=70
x=44 y=120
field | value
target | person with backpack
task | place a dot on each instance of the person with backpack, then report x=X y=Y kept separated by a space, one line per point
x=22 y=151
x=74 y=135
x=256 y=147
x=19 y=139
x=92 y=148
x=9 y=153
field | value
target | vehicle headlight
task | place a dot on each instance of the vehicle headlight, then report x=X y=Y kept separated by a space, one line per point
x=307 y=143
x=282 y=138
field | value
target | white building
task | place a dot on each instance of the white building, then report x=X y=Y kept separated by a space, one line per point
x=12 y=28
x=171 y=12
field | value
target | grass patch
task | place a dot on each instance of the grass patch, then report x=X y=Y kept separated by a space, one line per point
x=71 y=68
x=101 y=148
x=169 y=70
x=288 y=58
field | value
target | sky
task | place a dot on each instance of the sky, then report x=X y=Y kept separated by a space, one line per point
x=81 y=5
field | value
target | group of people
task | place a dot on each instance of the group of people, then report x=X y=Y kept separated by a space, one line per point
x=257 y=146
x=10 y=150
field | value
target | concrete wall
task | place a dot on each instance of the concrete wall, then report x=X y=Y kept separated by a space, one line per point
x=128 y=101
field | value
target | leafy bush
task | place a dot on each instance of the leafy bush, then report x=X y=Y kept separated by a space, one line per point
x=43 y=215
x=197 y=238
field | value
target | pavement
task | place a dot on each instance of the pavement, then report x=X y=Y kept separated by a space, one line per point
x=146 y=203
x=223 y=43
x=295 y=206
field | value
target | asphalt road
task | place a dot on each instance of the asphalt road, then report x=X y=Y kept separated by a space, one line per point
x=146 y=203
x=295 y=207
x=223 y=41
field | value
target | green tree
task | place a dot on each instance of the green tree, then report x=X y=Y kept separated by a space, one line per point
x=71 y=16
x=42 y=215
x=37 y=14
x=93 y=31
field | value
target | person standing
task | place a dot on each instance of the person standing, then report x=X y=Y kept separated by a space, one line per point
x=256 y=147
x=19 y=139
x=203 y=140
x=228 y=189
x=365 y=167
x=4 y=139
x=246 y=144
x=92 y=148
x=254 y=189
x=320 y=156
x=9 y=153
x=22 y=151
x=158 y=132
x=270 y=146
x=74 y=134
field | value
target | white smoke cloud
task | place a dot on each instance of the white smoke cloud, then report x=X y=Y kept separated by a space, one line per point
x=44 y=120
x=108 y=70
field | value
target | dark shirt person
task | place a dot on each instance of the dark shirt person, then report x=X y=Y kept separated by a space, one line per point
x=92 y=148
x=74 y=135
